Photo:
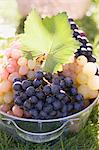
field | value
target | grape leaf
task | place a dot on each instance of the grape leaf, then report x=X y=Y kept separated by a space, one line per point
x=51 y=36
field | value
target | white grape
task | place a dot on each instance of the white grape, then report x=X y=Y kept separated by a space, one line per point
x=81 y=60
x=82 y=78
x=93 y=83
x=90 y=69
x=84 y=90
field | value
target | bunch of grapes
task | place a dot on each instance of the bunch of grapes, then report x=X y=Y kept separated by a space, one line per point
x=47 y=96
x=14 y=65
x=86 y=47
x=27 y=92
x=85 y=76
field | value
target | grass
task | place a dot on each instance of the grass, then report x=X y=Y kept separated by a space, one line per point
x=88 y=137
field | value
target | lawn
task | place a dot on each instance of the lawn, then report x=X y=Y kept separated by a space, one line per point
x=87 y=138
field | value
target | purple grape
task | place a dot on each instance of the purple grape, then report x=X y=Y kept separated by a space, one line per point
x=39 y=75
x=26 y=84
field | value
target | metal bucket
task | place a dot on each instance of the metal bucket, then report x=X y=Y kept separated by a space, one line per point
x=39 y=131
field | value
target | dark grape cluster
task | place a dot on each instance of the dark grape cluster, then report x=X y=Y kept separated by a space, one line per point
x=85 y=48
x=48 y=96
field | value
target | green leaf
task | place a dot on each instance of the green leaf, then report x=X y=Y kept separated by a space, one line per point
x=51 y=36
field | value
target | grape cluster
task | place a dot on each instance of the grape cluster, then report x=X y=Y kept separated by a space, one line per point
x=85 y=48
x=47 y=96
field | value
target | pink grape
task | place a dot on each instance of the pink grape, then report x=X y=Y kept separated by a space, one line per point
x=23 y=70
x=13 y=75
x=8 y=97
x=16 y=53
x=17 y=111
x=5 y=108
x=22 y=61
x=12 y=62
x=8 y=52
x=5 y=86
x=10 y=68
x=4 y=74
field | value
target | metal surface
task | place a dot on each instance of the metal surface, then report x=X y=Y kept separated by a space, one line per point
x=39 y=131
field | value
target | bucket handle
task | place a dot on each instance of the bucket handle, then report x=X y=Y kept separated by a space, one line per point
x=9 y=121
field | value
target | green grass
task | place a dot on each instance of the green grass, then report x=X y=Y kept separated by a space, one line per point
x=87 y=138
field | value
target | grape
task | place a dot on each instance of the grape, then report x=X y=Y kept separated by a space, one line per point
x=55 y=89
x=27 y=105
x=69 y=107
x=73 y=91
x=8 y=52
x=5 y=86
x=77 y=106
x=17 y=111
x=39 y=75
x=33 y=99
x=47 y=89
x=27 y=114
x=37 y=83
x=59 y=114
x=39 y=105
x=30 y=91
x=18 y=101
x=60 y=96
x=68 y=82
x=48 y=108
x=82 y=78
x=66 y=99
x=56 y=81
x=90 y=69
x=64 y=109
x=17 y=86
x=34 y=113
x=53 y=113
x=24 y=96
x=13 y=76
x=15 y=53
x=10 y=68
x=57 y=105
x=43 y=114
x=8 y=97
x=22 y=61
x=78 y=69
x=84 y=90
x=30 y=75
x=23 y=70
x=31 y=64
x=93 y=94
x=49 y=99
x=40 y=95
x=62 y=84
x=4 y=74
x=81 y=60
x=12 y=62
x=79 y=97
x=5 y=107
x=26 y=84
x=93 y=83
